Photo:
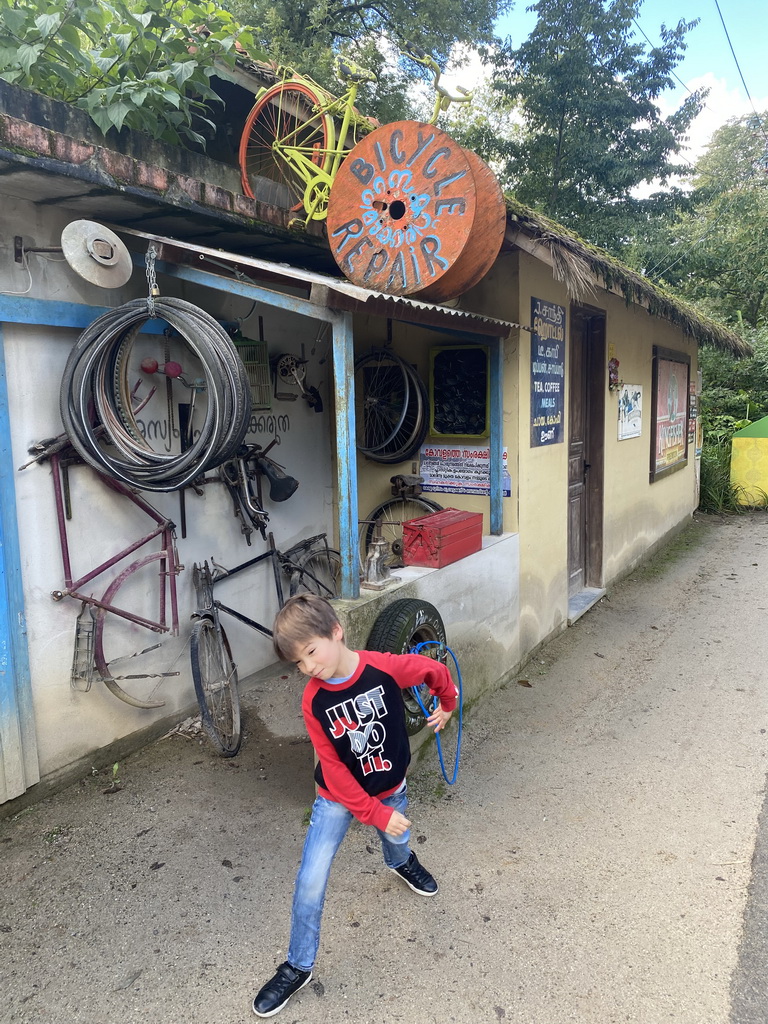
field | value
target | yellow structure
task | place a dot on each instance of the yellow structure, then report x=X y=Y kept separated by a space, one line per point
x=749 y=463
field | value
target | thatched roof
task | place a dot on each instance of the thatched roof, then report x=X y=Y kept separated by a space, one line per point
x=581 y=266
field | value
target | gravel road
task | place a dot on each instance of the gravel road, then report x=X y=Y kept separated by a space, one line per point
x=600 y=858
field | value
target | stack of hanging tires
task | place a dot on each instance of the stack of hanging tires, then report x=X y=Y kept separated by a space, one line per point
x=99 y=410
x=398 y=629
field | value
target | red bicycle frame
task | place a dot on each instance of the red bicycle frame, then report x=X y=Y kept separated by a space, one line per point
x=167 y=556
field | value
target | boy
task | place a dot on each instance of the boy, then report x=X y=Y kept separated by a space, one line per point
x=353 y=710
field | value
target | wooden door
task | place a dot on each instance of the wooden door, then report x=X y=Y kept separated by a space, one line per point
x=586 y=412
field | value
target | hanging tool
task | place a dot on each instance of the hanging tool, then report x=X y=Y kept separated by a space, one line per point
x=289 y=369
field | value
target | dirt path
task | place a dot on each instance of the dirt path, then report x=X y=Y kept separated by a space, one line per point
x=594 y=858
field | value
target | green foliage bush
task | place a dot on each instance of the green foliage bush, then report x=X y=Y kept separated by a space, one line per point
x=716 y=492
x=734 y=394
x=141 y=64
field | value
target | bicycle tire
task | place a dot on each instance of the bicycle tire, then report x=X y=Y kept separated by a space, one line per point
x=394 y=512
x=103 y=662
x=382 y=393
x=413 y=429
x=398 y=629
x=319 y=572
x=215 y=676
x=288 y=112
x=88 y=384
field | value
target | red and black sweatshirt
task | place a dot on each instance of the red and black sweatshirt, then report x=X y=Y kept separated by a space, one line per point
x=358 y=729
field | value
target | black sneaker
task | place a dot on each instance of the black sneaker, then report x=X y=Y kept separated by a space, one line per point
x=278 y=990
x=417 y=876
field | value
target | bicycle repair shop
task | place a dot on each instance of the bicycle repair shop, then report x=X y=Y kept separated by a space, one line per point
x=300 y=333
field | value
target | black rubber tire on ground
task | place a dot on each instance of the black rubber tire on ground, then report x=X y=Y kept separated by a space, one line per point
x=215 y=675
x=398 y=629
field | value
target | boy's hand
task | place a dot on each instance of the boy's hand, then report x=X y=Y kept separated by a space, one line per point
x=398 y=824
x=439 y=718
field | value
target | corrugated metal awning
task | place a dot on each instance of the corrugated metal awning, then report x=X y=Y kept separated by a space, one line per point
x=321 y=290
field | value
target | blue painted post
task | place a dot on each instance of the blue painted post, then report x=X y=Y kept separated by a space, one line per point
x=18 y=746
x=344 y=394
x=497 y=432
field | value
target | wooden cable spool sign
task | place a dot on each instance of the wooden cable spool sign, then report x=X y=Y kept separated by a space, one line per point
x=412 y=213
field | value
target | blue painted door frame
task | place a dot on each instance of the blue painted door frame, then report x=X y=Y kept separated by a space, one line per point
x=18 y=747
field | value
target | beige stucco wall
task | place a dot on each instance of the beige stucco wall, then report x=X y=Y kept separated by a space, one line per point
x=497 y=296
x=543 y=488
x=637 y=515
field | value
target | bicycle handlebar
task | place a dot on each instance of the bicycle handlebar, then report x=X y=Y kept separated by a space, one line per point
x=428 y=61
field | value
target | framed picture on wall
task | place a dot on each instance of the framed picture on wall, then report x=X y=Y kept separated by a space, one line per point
x=630 y=411
x=669 y=411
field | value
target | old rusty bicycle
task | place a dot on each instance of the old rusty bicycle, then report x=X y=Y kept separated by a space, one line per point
x=311 y=565
x=128 y=636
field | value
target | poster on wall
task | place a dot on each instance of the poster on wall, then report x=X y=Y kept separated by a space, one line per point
x=460 y=469
x=630 y=411
x=547 y=373
x=669 y=410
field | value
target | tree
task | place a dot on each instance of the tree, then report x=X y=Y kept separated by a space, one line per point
x=715 y=253
x=142 y=64
x=308 y=34
x=590 y=127
x=722 y=244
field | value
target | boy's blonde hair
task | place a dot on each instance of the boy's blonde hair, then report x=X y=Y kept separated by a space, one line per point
x=301 y=618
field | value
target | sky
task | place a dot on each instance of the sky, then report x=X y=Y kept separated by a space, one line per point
x=708 y=59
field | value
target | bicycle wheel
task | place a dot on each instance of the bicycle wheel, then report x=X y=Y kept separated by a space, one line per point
x=393 y=513
x=318 y=572
x=407 y=440
x=382 y=393
x=215 y=675
x=288 y=114
x=134 y=658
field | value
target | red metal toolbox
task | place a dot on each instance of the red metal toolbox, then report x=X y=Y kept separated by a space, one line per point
x=442 y=537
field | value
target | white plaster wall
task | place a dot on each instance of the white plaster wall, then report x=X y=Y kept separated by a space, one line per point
x=71 y=723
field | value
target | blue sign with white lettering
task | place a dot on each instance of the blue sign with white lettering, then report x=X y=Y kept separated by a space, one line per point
x=547 y=373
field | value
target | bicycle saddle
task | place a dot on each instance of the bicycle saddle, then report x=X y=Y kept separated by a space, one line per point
x=348 y=71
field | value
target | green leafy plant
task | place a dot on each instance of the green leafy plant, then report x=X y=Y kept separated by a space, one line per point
x=115 y=785
x=716 y=492
x=139 y=64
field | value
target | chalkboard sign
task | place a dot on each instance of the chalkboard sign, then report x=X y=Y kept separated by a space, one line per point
x=547 y=373
x=459 y=391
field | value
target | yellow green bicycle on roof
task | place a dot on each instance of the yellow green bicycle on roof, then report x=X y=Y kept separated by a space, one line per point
x=297 y=134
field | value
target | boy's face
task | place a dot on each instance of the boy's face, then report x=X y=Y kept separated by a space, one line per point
x=320 y=656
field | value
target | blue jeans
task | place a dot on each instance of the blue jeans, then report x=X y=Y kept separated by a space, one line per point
x=327 y=827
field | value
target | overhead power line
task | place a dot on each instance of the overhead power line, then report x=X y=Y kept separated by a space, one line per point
x=738 y=68
x=655 y=47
